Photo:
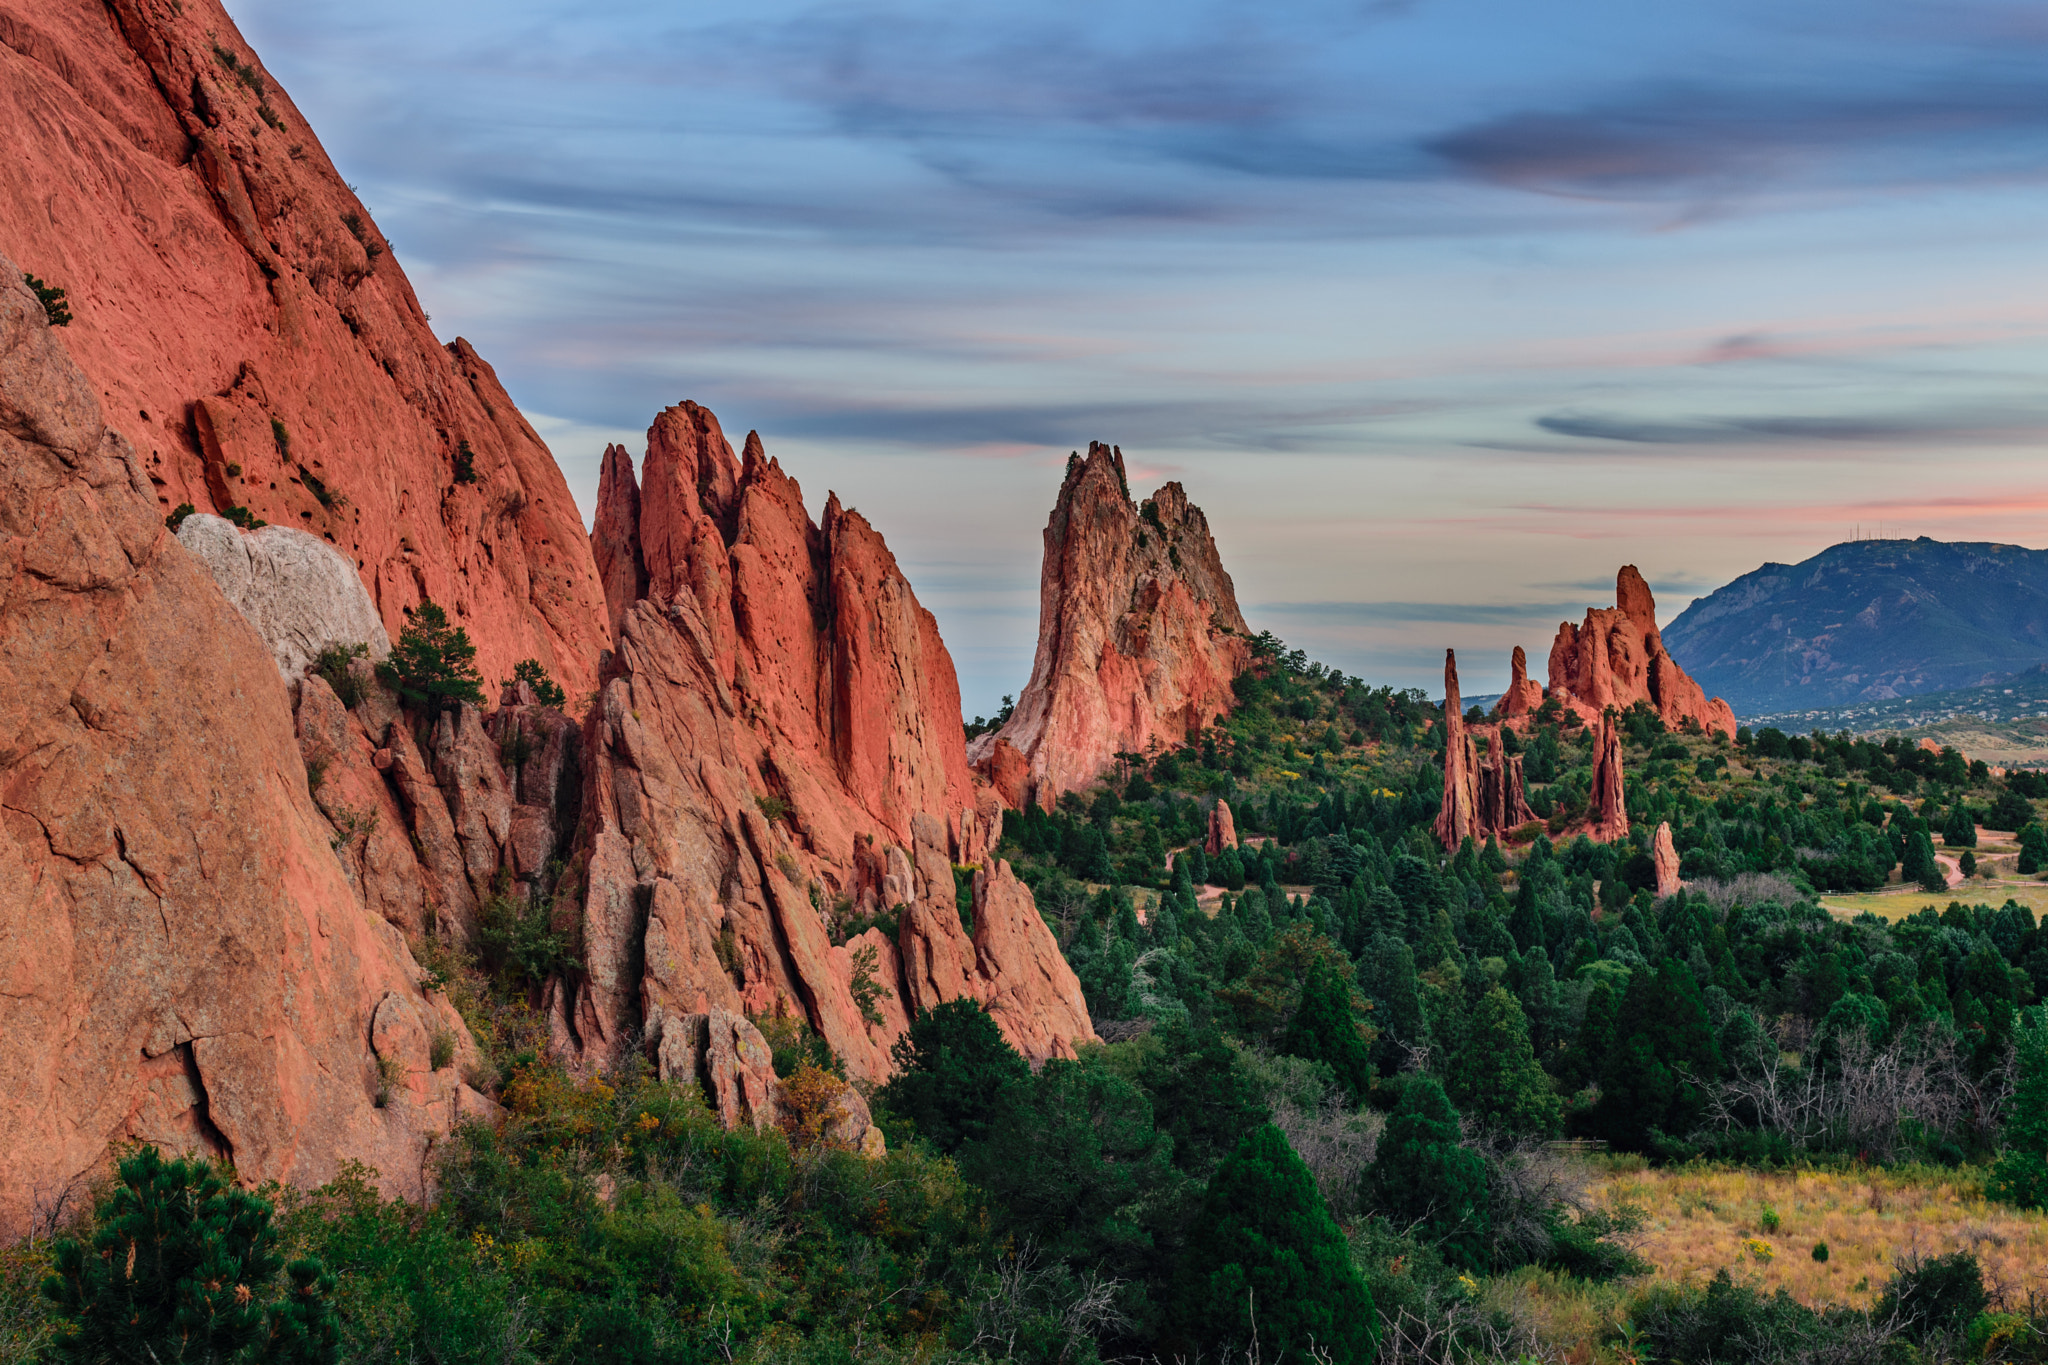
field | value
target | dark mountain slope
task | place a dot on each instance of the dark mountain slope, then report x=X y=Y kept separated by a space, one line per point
x=1868 y=620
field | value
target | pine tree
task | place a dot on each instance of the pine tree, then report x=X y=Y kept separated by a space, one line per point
x=1425 y=1179
x=1325 y=1029
x=433 y=664
x=1392 y=981
x=953 y=1069
x=2021 y=1175
x=1267 y=1261
x=179 y=1271
x=1665 y=1052
x=2033 y=848
x=1494 y=1079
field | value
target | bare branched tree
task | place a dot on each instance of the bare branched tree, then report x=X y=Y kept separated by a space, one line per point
x=1335 y=1144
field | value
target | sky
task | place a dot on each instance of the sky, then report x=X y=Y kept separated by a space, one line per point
x=1441 y=309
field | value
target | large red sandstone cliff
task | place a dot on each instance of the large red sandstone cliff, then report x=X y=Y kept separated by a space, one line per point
x=775 y=757
x=244 y=323
x=1139 y=635
x=1617 y=658
x=183 y=958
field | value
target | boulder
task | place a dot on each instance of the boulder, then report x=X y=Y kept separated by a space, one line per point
x=300 y=593
x=725 y=1054
x=1139 y=633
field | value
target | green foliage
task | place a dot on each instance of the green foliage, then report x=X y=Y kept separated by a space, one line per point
x=1665 y=1051
x=282 y=437
x=178 y=515
x=433 y=665
x=179 y=1269
x=465 y=462
x=244 y=518
x=1325 y=1029
x=521 y=945
x=2021 y=1175
x=335 y=665
x=534 y=674
x=1266 y=1260
x=1494 y=1079
x=2033 y=857
x=327 y=497
x=867 y=991
x=952 y=1071
x=1934 y=1297
x=1425 y=1178
x=55 y=309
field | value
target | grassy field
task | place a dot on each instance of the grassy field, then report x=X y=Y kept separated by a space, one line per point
x=1898 y=902
x=1766 y=1225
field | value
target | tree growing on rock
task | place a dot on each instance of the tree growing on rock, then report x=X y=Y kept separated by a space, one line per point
x=433 y=665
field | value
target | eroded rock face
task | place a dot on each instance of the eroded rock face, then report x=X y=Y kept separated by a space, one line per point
x=243 y=322
x=1665 y=854
x=182 y=957
x=776 y=747
x=1139 y=635
x=1524 y=695
x=1617 y=658
x=300 y=593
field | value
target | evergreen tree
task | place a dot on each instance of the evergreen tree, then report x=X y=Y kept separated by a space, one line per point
x=2033 y=848
x=1392 y=982
x=953 y=1069
x=1664 y=1052
x=1266 y=1259
x=1425 y=1179
x=433 y=664
x=2021 y=1175
x=1494 y=1080
x=1325 y=1029
x=179 y=1270
x=1201 y=1095
x=1525 y=924
x=1960 y=831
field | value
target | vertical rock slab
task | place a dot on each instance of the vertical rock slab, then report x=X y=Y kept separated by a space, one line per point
x=182 y=958
x=1222 y=832
x=1459 y=819
x=1665 y=854
x=1610 y=812
x=1139 y=633
x=1617 y=658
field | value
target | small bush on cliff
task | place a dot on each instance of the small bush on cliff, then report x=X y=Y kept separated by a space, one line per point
x=183 y=1267
x=54 y=307
x=465 y=463
x=334 y=664
x=178 y=515
x=433 y=664
x=534 y=674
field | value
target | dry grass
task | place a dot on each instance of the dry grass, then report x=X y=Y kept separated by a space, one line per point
x=1700 y=1219
x=1895 y=903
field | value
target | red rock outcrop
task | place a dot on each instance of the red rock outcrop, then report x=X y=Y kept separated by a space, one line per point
x=185 y=960
x=1139 y=635
x=1524 y=695
x=1610 y=811
x=242 y=319
x=1617 y=658
x=776 y=750
x=1222 y=829
x=1482 y=797
x=1665 y=855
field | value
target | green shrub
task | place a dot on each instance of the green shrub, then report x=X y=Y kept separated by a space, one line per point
x=441 y=1048
x=180 y=1268
x=465 y=463
x=1820 y=1252
x=1934 y=1297
x=433 y=664
x=327 y=497
x=334 y=664
x=952 y=1070
x=772 y=808
x=520 y=944
x=178 y=515
x=534 y=674
x=244 y=518
x=868 y=993
x=390 y=1076
x=54 y=307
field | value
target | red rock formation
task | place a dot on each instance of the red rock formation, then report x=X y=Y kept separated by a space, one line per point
x=1610 y=812
x=241 y=319
x=777 y=745
x=1459 y=818
x=1481 y=797
x=1523 y=696
x=185 y=960
x=1222 y=829
x=1139 y=635
x=1617 y=659
x=1665 y=855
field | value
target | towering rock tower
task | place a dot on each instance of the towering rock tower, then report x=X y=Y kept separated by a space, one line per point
x=1139 y=635
x=1617 y=658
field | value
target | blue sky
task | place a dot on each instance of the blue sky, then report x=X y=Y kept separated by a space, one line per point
x=1441 y=309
